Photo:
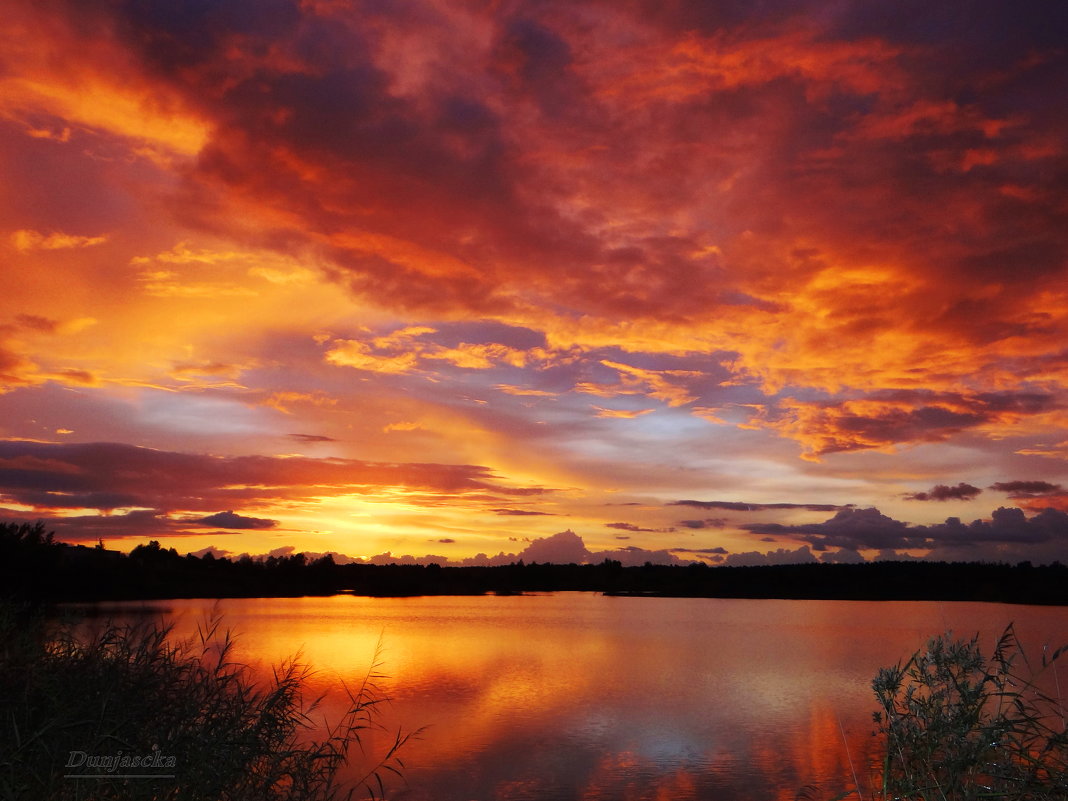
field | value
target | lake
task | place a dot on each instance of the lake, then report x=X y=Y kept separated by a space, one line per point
x=583 y=696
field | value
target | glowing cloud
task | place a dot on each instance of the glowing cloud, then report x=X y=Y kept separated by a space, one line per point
x=470 y=252
x=34 y=240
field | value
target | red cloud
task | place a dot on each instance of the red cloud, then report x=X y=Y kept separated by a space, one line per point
x=109 y=476
x=857 y=218
x=888 y=418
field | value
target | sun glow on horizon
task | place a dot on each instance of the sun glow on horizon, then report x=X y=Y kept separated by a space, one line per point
x=685 y=285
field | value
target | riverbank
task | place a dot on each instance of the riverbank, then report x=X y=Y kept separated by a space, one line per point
x=33 y=566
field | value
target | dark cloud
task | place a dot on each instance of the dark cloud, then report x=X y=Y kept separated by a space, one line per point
x=738 y=506
x=708 y=522
x=178 y=38
x=1003 y=31
x=51 y=499
x=110 y=476
x=849 y=528
x=521 y=512
x=1006 y=525
x=942 y=492
x=533 y=53
x=561 y=548
x=842 y=556
x=1027 y=489
x=231 y=520
x=310 y=438
x=750 y=19
x=140 y=524
x=889 y=417
x=496 y=173
x=869 y=529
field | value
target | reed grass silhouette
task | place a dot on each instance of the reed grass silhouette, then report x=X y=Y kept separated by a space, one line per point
x=191 y=721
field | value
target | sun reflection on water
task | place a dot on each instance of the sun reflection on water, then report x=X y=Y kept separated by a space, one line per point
x=583 y=696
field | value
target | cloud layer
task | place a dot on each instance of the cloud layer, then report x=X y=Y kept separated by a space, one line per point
x=392 y=272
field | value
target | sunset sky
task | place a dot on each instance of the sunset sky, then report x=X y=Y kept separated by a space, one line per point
x=732 y=282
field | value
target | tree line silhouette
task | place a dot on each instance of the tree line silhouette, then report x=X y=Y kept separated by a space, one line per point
x=35 y=567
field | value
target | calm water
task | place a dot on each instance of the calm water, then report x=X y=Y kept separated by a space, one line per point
x=581 y=696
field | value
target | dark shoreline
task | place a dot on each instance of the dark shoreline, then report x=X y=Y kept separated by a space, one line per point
x=75 y=574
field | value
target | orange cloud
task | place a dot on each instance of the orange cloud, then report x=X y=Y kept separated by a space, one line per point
x=892 y=418
x=407 y=350
x=402 y=426
x=658 y=384
x=787 y=223
x=25 y=241
x=14 y=369
x=91 y=476
x=624 y=414
x=102 y=90
x=285 y=401
x=353 y=353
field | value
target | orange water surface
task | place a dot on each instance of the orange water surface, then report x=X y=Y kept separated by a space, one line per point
x=582 y=696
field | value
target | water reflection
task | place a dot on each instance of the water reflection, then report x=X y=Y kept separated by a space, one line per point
x=587 y=697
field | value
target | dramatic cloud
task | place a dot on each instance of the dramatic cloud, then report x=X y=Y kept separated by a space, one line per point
x=855 y=529
x=663 y=385
x=109 y=476
x=887 y=418
x=869 y=529
x=400 y=266
x=1035 y=494
x=138 y=525
x=942 y=492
